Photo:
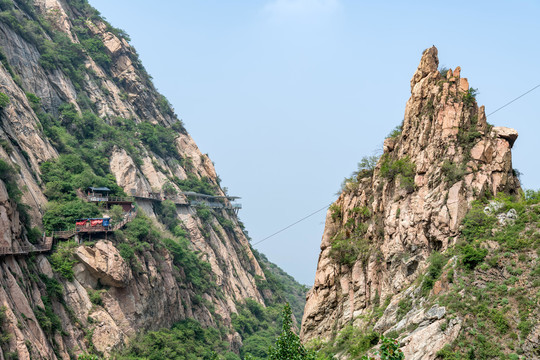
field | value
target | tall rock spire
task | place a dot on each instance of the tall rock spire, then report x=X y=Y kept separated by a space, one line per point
x=387 y=222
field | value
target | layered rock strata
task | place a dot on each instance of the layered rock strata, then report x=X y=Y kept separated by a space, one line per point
x=155 y=295
x=409 y=205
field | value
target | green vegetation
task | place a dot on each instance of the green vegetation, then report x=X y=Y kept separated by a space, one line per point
x=4 y=100
x=469 y=97
x=197 y=272
x=288 y=345
x=4 y=335
x=365 y=169
x=8 y=175
x=158 y=138
x=62 y=259
x=404 y=168
x=186 y=340
x=396 y=132
x=436 y=263
x=389 y=350
x=283 y=286
x=95 y=297
x=495 y=313
x=444 y=71
x=201 y=185
x=356 y=342
x=62 y=215
x=93 y=45
x=453 y=172
x=258 y=326
x=346 y=250
x=46 y=317
x=350 y=243
x=352 y=340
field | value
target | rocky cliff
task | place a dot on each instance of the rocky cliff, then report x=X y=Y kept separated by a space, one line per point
x=78 y=109
x=397 y=211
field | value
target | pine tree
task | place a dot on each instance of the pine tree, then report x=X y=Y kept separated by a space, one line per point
x=288 y=345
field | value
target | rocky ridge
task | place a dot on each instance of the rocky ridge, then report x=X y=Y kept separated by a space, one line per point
x=394 y=214
x=154 y=295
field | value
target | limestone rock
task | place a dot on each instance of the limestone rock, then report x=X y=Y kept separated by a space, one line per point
x=428 y=65
x=508 y=134
x=409 y=218
x=463 y=84
x=105 y=263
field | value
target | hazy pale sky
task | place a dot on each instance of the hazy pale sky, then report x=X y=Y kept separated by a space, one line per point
x=286 y=96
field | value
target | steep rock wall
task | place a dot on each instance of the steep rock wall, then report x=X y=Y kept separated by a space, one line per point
x=156 y=294
x=408 y=205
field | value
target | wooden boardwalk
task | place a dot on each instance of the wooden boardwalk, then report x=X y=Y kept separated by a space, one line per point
x=45 y=246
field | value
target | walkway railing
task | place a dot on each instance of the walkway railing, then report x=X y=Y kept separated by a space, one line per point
x=27 y=249
x=110 y=198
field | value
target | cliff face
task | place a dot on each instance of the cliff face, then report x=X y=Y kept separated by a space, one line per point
x=49 y=59
x=394 y=214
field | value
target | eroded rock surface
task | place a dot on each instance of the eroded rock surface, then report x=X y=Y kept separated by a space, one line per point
x=401 y=218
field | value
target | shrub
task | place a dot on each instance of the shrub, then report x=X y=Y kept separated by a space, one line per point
x=404 y=306
x=117 y=213
x=204 y=213
x=187 y=339
x=169 y=189
x=452 y=172
x=159 y=139
x=197 y=271
x=193 y=183
x=476 y=224
x=404 y=167
x=436 y=263
x=389 y=350
x=62 y=259
x=500 y=321
x=62 y=216
x=346 y=251
x=166 y=211
x=4 y=100
x=471 y=256
x=396 y=132
x=126 y=251
x=470 y=96
x=95 y=297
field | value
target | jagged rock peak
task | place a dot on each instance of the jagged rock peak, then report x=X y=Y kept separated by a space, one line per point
x=392 y=217
x=428 y=64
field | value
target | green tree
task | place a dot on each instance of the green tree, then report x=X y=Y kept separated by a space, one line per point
x=117 y=213
x=389 y=350
x=288 y=345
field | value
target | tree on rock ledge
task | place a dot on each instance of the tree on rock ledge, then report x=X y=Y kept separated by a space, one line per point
x=288 y=345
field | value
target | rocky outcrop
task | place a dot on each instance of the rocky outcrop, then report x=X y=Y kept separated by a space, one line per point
x=108 y=301
x=105 y=264
x=409 y=205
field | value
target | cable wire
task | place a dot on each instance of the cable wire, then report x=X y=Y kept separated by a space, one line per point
x=291 y=225
x=321 y=209
x=519 y=97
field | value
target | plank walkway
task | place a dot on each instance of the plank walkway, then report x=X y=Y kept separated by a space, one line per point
x=45 y=246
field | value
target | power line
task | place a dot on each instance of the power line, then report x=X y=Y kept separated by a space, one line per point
x=519 y=97
x=321 y=209
x=291 y=225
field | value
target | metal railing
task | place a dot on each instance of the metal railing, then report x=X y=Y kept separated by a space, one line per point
x=27 y=249
x=110 y=198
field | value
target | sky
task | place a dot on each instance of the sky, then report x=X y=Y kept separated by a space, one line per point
x=287 y=96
